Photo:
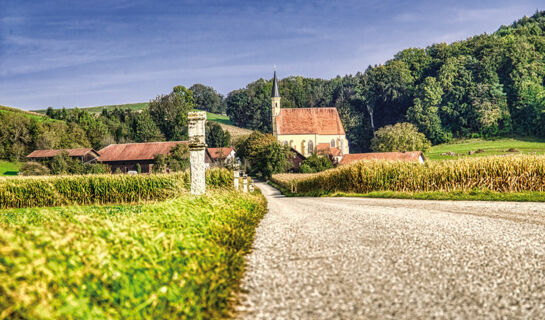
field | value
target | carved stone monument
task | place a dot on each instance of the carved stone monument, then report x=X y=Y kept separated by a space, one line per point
x=197 y=146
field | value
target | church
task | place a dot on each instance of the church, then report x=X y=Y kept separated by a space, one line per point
x=308 y=130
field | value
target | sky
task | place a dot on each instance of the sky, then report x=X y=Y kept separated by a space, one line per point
x=90 y=53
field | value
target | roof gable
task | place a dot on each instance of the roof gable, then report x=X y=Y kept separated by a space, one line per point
x=324 y=121
x=50 y=153
x=218 y=153
x=136 y=151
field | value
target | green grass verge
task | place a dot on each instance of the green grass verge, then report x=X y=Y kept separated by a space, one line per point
x=178 y=259
x=490 y=147
x=8 y=168
x=473 y=195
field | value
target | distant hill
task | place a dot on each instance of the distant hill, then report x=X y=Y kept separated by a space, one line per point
x=29 y=114
x=132 y=106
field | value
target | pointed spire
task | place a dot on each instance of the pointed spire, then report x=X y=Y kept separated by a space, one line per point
x=275 y=92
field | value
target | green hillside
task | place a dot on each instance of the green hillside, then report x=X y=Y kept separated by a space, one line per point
x=28 y=114
x=481 y=147
x=98 y=109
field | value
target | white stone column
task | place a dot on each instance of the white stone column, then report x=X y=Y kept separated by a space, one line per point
x=245 y=184
x=197 y=146
x=236 y=175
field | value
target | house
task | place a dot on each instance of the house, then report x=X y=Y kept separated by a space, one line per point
x=295 y=160
x=126 y=156
x=220 y=157
x=303 y=129
x=325 y=149
x=413 y=156
x=86 y=155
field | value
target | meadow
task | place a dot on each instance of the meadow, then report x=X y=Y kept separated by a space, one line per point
x=483 y=178
x=177 y=259
x=8 y=168
x=482 y=148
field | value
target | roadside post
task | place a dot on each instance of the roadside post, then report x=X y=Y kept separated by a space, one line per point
x=245 y=184
x=197 y=146
x=236 y=175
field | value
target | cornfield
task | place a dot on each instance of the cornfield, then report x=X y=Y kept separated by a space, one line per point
x=499 y=173
x=22 y=192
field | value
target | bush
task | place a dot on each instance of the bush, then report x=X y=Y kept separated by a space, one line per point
x=34 y=169
x=515 y=173
x=314 y=163
x=399 y=137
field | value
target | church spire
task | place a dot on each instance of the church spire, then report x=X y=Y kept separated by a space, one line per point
x=275 y=93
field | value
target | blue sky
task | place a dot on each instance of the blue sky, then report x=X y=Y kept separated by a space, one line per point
x=87 y=53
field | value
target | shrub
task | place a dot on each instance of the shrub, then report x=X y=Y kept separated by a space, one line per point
x=399 y=137
x=34 y=169
x=314 y=163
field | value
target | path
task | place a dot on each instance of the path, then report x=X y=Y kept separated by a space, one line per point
x=356 y=258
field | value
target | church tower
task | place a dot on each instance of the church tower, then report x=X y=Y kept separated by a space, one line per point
x=275 y=100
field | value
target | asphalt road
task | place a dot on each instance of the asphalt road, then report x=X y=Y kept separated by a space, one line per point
x=356 y=258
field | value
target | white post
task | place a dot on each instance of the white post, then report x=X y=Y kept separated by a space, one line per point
x=251 y=186
x=245 y=184
x=236 y=175
x=197 y=146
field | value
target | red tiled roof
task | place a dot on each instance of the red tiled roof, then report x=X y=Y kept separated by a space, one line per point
x=309 y=121
x=136 y=151
x=413 y=156
x=218 y=153
x=80 y=152
x=325 y=148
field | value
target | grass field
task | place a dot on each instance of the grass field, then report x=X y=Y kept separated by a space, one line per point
x=461 y=148
x=98 y=109
x=28 y=114
x=178 y=259
x=8 y=168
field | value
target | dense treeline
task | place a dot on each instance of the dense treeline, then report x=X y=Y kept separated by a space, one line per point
x=485 y=86
x=164 y=120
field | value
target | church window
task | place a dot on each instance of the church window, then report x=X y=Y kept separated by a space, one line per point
x=310 y=147
x=332 y=143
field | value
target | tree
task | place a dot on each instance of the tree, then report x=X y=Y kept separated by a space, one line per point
x=145 y=130
x=176 y=160
x=206 y=98
x=216 y=137
x=264 y=153
x=399 y=137
x=424 y=113
x=314 y=163
x=169 y=112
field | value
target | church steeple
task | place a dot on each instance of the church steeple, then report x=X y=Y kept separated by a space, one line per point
x=275 y=93
x=275 y=102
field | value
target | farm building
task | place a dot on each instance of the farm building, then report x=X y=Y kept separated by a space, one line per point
x=304 y=129
x=413 y=156
x=220 y=157
x=86 y=155
x=126 y=156
x=295 y=161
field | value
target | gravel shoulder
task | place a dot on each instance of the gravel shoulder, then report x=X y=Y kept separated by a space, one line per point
x=358 y=258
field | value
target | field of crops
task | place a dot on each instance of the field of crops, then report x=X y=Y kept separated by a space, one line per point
x=22 y=192
x=483 y=148
x=178 y=259
x=518 y=173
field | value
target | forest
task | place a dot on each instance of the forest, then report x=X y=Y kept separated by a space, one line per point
x=486 y=86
